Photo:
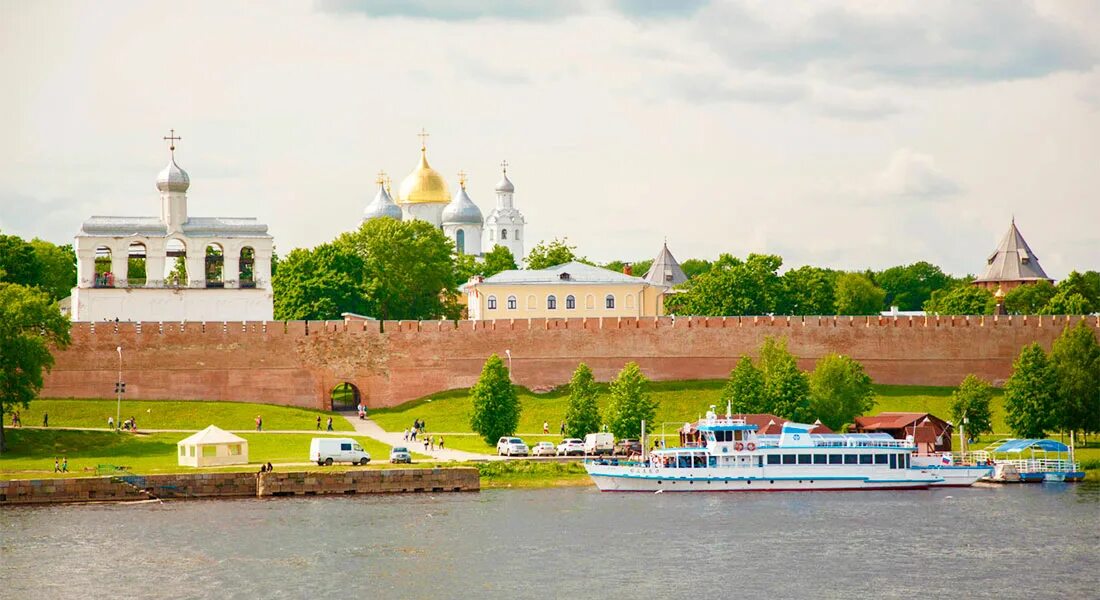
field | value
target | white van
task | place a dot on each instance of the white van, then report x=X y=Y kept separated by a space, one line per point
x=325 y=451
x=599 y=443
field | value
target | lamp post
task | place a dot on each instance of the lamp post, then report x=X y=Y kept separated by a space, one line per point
x=508 y=353
x=118 y=391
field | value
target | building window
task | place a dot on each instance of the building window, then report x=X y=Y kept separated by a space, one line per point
x=503 y=234
x=589 y=302
x=511 y=303
x=492 y=303
x=516 y=237
x=460 y=241
x=570 y=302
x=609 y=301
x=630 y=300
x=531 y=302
x=491 y=234
x=551 y=302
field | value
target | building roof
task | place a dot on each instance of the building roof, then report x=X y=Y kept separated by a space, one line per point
x=462 y=209
x=576 y=273
x=665 y=269
x=1017 y=446
x=212 y=435
x=1013 y=260
x=423 y=185
x=215 y=227
x=382 y=206
x=894 y=420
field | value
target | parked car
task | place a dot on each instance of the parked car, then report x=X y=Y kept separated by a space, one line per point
x=571 y=446
x=400 y=454
x=325 y=451
x=511 y=446
x=599 y=443
x=544 y=449
x=627 y=448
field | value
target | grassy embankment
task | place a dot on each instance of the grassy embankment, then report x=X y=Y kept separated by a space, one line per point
x=681 y=401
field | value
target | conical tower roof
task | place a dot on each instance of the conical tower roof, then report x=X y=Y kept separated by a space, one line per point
x=1013 y=260
x=665 y=269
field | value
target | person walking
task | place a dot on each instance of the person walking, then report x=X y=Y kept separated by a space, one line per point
x=259 y=423
x=431 y=441
x=110 y=422
x=563 y=428
x=440 y=442
x=45 y=420
x=546 y=427
x=318 y=422
x=329 y=424
x=56 y=466
x=64 y=464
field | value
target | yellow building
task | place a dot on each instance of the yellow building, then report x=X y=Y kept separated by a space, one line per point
x=570 y=290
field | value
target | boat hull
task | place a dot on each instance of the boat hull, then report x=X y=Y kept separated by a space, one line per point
x=628 y=479
x=959 y=476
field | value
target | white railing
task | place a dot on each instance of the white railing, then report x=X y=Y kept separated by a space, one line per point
x=1041 y=465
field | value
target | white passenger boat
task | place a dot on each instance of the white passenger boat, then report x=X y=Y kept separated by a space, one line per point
x=949 y=469
x=730 y=456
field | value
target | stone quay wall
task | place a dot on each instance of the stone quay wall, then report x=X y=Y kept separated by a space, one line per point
x=298 y=363
x=236 y=485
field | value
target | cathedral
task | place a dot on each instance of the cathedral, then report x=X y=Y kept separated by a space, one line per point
x=424 y=195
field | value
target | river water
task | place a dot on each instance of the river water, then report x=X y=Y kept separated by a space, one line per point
x=1022 y=541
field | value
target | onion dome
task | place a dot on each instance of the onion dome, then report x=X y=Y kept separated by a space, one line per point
x=382 y=206
x=462 y=209
x=424 y=185
x=505 y=184
x=173 y=178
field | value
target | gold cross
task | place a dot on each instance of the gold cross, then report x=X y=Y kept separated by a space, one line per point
x=504 y=166
x=172 y=139
x=423 y=135
x=462 y=179
x=381 y=178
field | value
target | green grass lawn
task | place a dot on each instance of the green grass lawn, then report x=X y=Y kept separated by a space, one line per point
x=169 y=414
x=936 y=400
x=31 y=452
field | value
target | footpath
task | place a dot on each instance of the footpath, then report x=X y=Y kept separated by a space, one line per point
x=368 y=428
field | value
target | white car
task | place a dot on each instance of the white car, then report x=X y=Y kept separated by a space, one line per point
x=544 y=449
x=325 y=451
x=571 y=446
x=400 y=454
x=511 y=446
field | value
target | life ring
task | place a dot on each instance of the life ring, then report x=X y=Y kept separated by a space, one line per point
x=751 y=446
x=738 y=446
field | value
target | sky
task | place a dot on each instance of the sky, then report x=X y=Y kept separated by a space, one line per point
x=850 y=135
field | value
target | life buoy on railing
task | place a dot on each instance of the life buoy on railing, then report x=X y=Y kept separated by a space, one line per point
x=738 y=446
x=751 y=446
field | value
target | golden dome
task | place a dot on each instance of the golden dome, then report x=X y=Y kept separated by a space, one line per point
x=424 y=185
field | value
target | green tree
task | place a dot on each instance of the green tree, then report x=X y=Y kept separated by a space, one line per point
x=1067 y=302
x=734 y=287
x=1031 y=394
x=630 y=403
x=319 y=284
x=57 y=268
x=744 y=391
x=497 y=260
x=1029 y=299
x=582 y=415
x=971 y=401
x=963 y=299
x=692 y=267
x=857 y=295
x=786 y=388
x=1075 y=359
x=808 y=291
x=496 y=406
x=408 y=269
x=840 y=391
x=908 y=287
x=18 y=260
x=550 y=254
x=466 y=266
x=641 y=267
x=30 y=326
x=1077 y=294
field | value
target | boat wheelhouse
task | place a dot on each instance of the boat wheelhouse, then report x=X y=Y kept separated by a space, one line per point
x=729 y=455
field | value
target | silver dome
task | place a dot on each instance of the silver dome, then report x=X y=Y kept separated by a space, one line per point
x=382 y=206
x=173 y=178
x=462 y=210
x=505 y=185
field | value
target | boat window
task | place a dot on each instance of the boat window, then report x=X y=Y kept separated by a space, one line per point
x=759 y=461
x=788 y=459
x=805 y=459
x=836 y=459
x=712 y=461
x=773 y=459
x=698 y=461
x=866 y=459
x=906 y=460
x=880 y=459
x=820 y=459
x=851 y=459
x=893 y=461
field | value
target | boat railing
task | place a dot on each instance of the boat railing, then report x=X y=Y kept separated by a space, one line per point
x=1041 y=465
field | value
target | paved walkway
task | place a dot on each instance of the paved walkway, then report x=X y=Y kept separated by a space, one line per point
x=367 y=427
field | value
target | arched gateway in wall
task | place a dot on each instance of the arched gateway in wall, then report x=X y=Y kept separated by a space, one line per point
x=345 y=397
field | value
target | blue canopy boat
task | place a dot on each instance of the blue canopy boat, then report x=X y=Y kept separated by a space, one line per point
x=1032 y=460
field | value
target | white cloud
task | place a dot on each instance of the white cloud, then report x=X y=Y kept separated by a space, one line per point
x=913 y=176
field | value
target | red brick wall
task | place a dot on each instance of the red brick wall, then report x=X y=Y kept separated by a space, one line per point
x=298 y=363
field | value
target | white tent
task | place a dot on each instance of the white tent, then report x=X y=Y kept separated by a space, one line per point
x=213 y=447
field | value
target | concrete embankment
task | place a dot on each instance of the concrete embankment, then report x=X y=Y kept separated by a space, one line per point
x=236 y=485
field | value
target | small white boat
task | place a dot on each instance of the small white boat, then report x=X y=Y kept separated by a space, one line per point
x=730 y=456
